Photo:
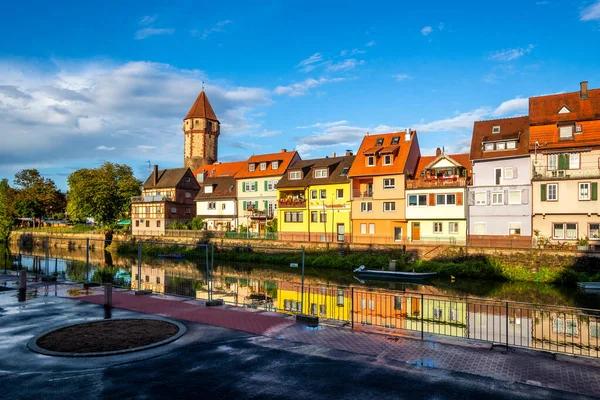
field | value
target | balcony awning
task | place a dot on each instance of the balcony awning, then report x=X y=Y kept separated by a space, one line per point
x=567 y=150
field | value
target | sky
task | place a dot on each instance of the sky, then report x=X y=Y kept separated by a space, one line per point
x=82 y=83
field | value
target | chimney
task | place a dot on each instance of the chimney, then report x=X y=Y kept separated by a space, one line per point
x=283 y=150
x=333 y=155
x=155 y=174
x=583 y=90
x=407 y=135
x=348 y=153
x=438 y=151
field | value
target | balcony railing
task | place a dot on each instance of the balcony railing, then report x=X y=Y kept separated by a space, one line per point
x=149 y=199
x=291 y=203
x=439 y=182
x=363 y=194
x=541 y=173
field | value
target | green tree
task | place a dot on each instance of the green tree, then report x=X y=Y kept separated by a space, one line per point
x=272 y=225
x=102 y=193
x=197 y=224
x=36 y=196
x=6 y=211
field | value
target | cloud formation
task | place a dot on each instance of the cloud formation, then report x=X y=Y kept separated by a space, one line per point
x=302 y=88
x=426 y=30
x=219 y=27
x=402 y=77
x=345 y=65
x=591 y=12
x=147 y=20
x=309 y=64
x=147 y=32
x=507 y=55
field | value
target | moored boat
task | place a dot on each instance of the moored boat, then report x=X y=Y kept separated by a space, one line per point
x=172 y=256
x=363 y=272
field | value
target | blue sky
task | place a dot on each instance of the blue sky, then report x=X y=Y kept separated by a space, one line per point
x=81 y=83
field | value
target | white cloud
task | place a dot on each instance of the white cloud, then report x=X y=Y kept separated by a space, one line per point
x=323 y=124
x=268 y=133
x=301 y=88
x=511 y=107
x=441 y=26
x=343 y=53
x=507 y=55
x=402 y=77
x=591 y=12
x=345 y=65
x=308 y=64
x=147 y=32
x=105 y=148
x=219 y=27
x=145 y=148
x=147 y=20
x=370 y=44
x=426 y=30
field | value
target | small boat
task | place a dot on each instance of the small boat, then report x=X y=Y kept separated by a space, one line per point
x=590 y=287
x=172 y=256
x=363 y=273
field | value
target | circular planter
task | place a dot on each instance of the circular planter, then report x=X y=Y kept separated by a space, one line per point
x=33 y=345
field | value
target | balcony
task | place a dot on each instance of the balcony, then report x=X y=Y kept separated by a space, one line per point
x=362 y=194
x=150 y=199
x=452 y=181
x=291 y=203
x=541 y=173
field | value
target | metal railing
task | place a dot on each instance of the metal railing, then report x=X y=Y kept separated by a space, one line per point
x=425 y=183
x=541 y=172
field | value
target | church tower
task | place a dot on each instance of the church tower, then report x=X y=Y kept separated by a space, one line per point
x=201 y=130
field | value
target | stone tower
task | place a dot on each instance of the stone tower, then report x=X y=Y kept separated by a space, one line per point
x=201 y=130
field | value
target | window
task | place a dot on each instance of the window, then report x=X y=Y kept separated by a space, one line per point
x=514 y=197
x=339 y=193
x=480 y=198
x=389 y=183
x=437 y=313
x=552 y=162
x=398 y=233
x=594 y=231
x=173 y=210
x=514 y=228
x=295 y=175
x=263 y=166
x=479 y=228
x=187 y=179
x=137 y=224
x=223 y=206
x=272 y=185
x=345 y=171
x=567 y=326
x=571 y=232
x=584 y=191
x=208 y=189
x=564 y=231
x=489 y=146
x=417 y=200
x=250 y=186
x=200 y=177
x=453 y=227
x=496 y=129
x=387 y=159
x=498 y=198
x=212 y=205
x=558 y=231
x=251 y=167
x=363 y=229
x=565 y=132
x=314 y=216
x=594 y=329
x=147 y=210
x=323 y=216
x=363 y=303
x=147 y=223
x=321 y=173
x=371 y=304
x=395 y=139
x=323 y=194
x=500 y=145
x=379 y=142
x=275 y=165
x=498 y=176
x=509 y=173
x=453 y=314
x=313 y=194
x=340 y=297
x=313 y=309
x=574 y=161
x=398 y=303
x=445 y=199
x=552 y=192
x=437 y=227
x=389 y=206
x=158 y=224
x=322 y=310
x=511 y=144
x=188 y=210
x=366 y=206
x=372 y=229
x=371 y=161
x=294 y=216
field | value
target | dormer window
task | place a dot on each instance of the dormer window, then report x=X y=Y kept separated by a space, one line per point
x=489 y=147
x=578 y=128
x=295 y=175
x=565 y=132
x=208 y=189
x=500 y=145
x=263 y=166
x=370 y=161
x=251 y=167
x=496 y=129
x=379 y=142
x=275 y=165
x=387 y=159
x=395 y=139
x=511 y=144
x=321 y=173
x=345 y=171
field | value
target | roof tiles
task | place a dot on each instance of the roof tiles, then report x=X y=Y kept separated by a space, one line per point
x=510 y=128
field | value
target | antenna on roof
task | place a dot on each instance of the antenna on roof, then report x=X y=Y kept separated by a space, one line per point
x=203 y=86
x=149 y=166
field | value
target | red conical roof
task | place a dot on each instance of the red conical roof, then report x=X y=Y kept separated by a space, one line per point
x=202 y=109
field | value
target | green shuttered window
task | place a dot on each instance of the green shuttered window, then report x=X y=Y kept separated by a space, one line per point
x=543 y=192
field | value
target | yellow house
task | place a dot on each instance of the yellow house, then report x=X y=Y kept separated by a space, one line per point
x=321 y=300
x=314 y=201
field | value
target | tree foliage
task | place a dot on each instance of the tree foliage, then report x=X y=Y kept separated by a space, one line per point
x=102 y=193
x=6 y=211
x=36 y=196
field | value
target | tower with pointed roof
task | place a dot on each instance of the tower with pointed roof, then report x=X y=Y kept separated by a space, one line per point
x=201 y=130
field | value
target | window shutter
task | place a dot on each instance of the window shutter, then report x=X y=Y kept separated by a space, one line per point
x=471 y=198
x=489 y=197
x=256 y=204
x=244 y=205
x=265 y=186
x=244 y=189
x=563 y=161
x=431 y=199
x=505 y=197
x=515 y=173
x=525 y=196
x=256 y=186
x=459 y=199
x=266 y=204
x=543 y=192
x=594 y=190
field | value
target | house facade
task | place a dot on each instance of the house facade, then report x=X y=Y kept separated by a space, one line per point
x=257 y=188
x=378 y=178
x=564 y=142
x=500 y=195
x=314 y=201
x=216 y=202
x=435 y=199
x=167 y=196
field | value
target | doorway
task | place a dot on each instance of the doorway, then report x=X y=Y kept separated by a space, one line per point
x=416 y=231
x=340 y=232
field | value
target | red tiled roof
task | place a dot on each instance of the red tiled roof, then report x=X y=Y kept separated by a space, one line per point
x=202 y=109
x=510 y=128
x=284 y=158
x=369 y=144
x=424 y=161
x=544 y=110
x=220 y=169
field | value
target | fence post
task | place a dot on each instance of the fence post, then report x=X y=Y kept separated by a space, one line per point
x=87 y=259
x=352 y=309
x=47 y=255
x=422 y=327
x=209 y=295
x=507 y=326
x=140 y=265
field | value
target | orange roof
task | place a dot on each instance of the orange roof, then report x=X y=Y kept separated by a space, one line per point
x=424 y=161
x=370 y=146
x=201 y=109
x=220 y=169
x=544 y=110
x=510 y=128
x=284 y=158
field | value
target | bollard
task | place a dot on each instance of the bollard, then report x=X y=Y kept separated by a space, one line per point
x=108 y=295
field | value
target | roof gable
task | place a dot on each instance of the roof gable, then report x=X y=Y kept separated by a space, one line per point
x=378 y=146
x=572 y=106
x=172 y=178
x=283 y=159
x=511 y=129
x=201 y=109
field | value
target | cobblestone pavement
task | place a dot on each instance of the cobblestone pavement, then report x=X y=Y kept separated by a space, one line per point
x=540 y=369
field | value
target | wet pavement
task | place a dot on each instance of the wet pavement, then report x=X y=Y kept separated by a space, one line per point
x=230 y=352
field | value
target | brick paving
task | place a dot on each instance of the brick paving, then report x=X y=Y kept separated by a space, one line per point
x=540 y=369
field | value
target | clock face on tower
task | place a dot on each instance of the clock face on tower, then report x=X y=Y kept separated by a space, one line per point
x=201 y=130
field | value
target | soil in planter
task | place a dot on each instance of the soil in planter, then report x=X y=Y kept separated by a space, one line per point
x=110 y=335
